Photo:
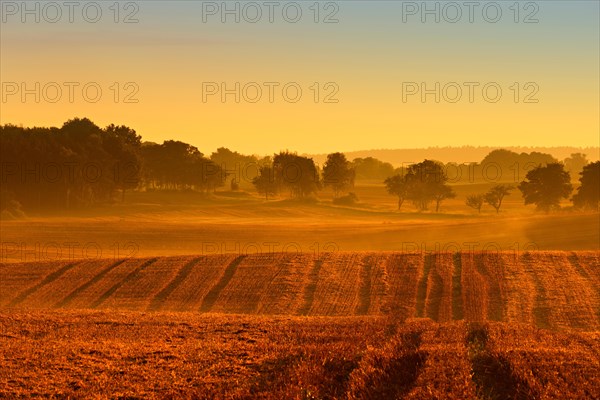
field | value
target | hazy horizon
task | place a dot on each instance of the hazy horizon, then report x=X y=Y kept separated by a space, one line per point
x=373 y=62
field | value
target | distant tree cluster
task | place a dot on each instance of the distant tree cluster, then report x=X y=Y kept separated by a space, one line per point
x=81 y=164
x=545 y=186
x=493 y=197
x=76 y=165
x=372 y=169
x=241 y=169
x=423 y=184
x=499 y=166
x=176 y=165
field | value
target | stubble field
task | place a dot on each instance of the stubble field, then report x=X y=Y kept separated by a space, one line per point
x=352 y=325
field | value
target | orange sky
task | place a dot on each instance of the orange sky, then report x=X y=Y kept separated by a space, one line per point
x=370 y=57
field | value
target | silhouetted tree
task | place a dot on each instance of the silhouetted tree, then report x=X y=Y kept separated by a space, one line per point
x=124 y=145
x=296 y=173
x=72 y=166
x=546 y=186
x=338 y=173
x=475 y=201
x=265 y=182
x=441 y=193
x=427 y=183
x=81 y=164
x=496 y=194
x=242 y=167
x=588 y=193
x=398 y=185
x=177 y=165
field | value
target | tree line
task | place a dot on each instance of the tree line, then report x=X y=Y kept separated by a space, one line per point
x=80 y=165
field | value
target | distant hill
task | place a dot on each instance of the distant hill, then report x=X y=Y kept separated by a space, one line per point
x=397 y=157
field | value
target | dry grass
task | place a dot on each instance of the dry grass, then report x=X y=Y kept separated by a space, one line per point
x=547 y=365
x=100 y=354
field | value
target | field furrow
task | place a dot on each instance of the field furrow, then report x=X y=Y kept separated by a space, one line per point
x=61 y=285
x=490 y=265
x=114 y=354
x=587 y=264
x=159 y=299
x=243 y=292
x=372 y=285
x=567 y=300
x=547 y=365
x=519 y=288
x=21 y=280
x=377 y=283
x=474 y=289
x=214 y=292
x=337 y=291
x=311 y=286
x=492 y=374
x=83 y=292
x=446 y=372
x=542 y=312
x=422 y=288
x=140 y=286
x=285 y=293
x=457 y=297
x=366 y=274
x=581 y=302
x=438 y=304
x=129 y=293
x=390 y=371
x=194 y=281
x=86 y=288
x=402 y=271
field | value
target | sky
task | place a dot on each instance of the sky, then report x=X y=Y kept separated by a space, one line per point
x=312 y=77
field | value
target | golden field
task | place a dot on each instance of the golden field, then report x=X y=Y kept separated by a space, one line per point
x=347 y=325
x=555 y=290
x=188 y=296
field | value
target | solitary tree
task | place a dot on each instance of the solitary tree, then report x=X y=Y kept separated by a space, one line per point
x=265 y=182
x=441 y=193
x=399 y=186
x=338 y=173
x=546 y=186
x=588 y=194
x=496 y=194
x=296 y=173
x=475 y=201
x=427 y=183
